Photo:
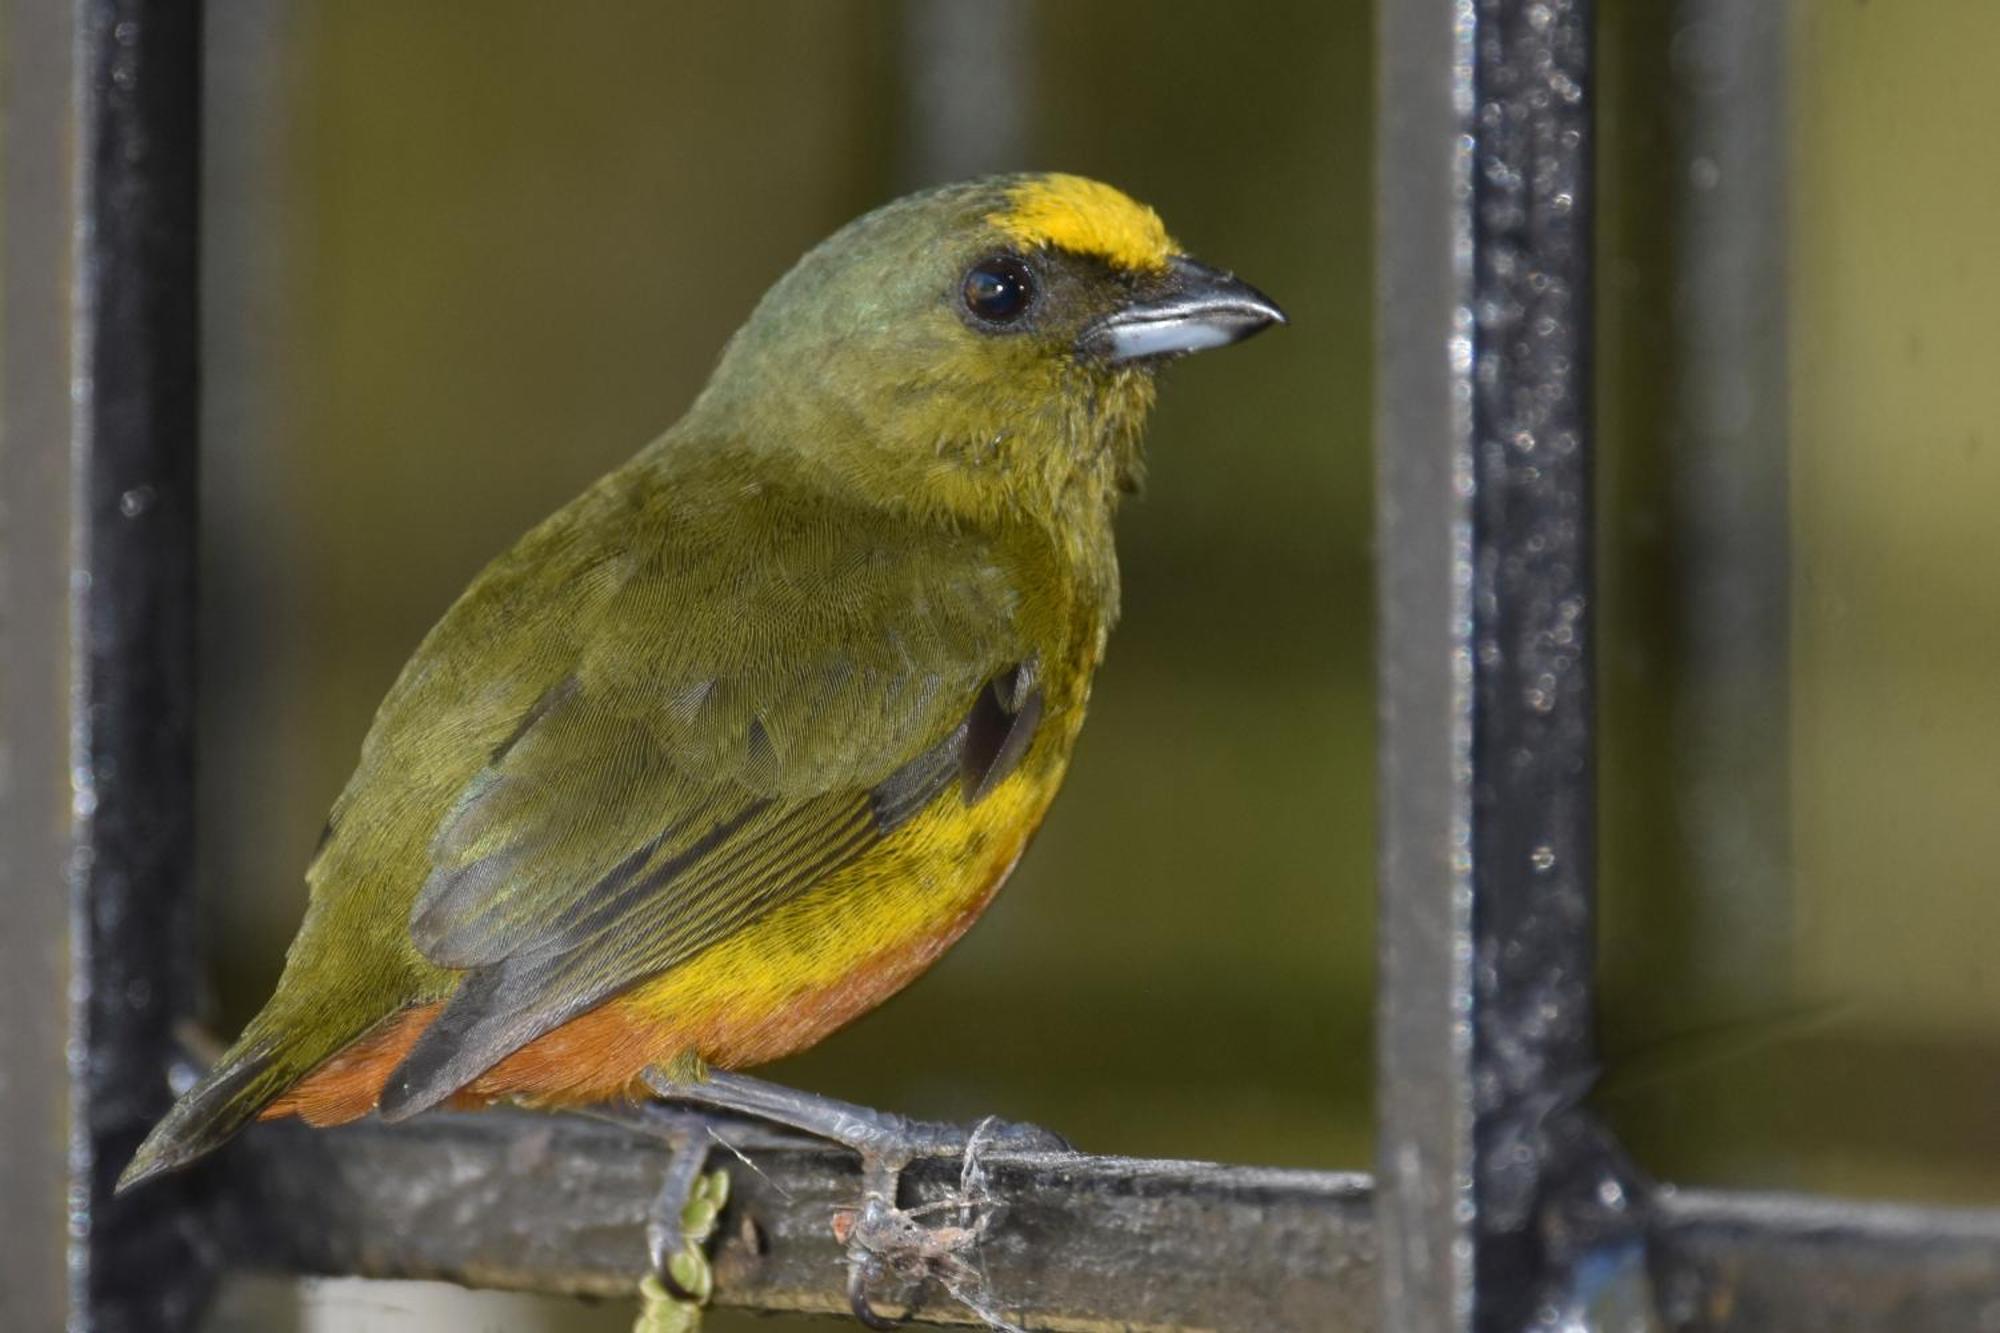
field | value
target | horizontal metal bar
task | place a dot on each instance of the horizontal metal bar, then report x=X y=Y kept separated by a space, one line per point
x=1753 y=1263
x=556 y=1204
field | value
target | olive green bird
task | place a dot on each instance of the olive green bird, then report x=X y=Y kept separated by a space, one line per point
x=738 y=742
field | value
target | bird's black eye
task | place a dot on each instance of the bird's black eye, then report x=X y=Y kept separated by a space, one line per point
x=999 y=290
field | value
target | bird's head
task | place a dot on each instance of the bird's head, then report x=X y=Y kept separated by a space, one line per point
x=979 y=347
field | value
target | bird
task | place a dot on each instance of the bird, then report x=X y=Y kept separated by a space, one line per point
x=735 y=744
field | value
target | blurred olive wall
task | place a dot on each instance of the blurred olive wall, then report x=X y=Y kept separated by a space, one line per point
x=1865 y=1058
x=464 y=259
x=1896 y=616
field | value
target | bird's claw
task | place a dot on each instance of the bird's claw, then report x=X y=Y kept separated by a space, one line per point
x=885 y=1241
x=680 y=1255
x=679 y=1223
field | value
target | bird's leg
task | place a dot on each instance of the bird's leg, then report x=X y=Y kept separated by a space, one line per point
x=682 y=1215
x=882 y=1135
x=882 y=1239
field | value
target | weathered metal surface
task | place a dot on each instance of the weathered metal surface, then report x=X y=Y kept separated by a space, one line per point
x=141 y=1263
x=1532 y=773
x=1746 y=1263
x=1486 y=601
x=106 y=770
x=557 y=1203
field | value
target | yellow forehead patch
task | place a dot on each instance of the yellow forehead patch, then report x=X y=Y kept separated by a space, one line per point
x=1085 y=217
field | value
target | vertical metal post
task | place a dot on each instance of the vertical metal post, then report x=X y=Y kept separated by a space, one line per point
x=1731 y=491
x=101 y=429
x=966 y=88
x=1423 y=530
x=1484 y=501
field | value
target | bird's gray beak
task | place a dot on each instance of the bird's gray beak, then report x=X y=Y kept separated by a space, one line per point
x=1192 y=308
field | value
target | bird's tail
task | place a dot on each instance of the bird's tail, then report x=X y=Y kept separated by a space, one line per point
x=242 y=1083
x=282 y=1045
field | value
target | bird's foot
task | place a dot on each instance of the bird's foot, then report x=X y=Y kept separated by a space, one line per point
x=682 y=1218
x=886 y=1243
x=905 y=1248
x=683 y=1214
x=679 y=1224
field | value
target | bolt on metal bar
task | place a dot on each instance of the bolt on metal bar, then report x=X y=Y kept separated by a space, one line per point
x=1484 y=501
x=101 y=431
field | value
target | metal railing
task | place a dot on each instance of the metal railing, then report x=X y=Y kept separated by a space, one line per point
x=1503 y=1205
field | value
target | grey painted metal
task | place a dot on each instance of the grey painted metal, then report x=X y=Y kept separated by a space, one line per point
x=1423 y=532
x=557 y=1203
x=1731 y=496
x=101 y=426
x=1484 y=526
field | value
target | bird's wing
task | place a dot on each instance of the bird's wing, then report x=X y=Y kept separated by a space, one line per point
x=736 y=724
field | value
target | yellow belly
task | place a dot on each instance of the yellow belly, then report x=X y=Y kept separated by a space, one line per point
x=836 y=952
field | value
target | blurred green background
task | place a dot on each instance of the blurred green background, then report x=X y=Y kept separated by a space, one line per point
x=1830 y=1021
x=462 y=259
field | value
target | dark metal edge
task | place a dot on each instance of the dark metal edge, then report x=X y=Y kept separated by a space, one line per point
x=1558 y=1211
x=1533 y=610
x=146 y=1261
